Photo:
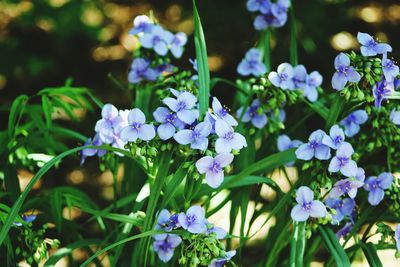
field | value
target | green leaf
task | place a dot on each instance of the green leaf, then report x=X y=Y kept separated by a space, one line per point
x=293 y=38
x=120 y=242
x=16 y=108
x=173 y=185
x=202 y=63
x=369 y=250
x=297 y=244
x=265 y=48
x=47 y=109
x=62 y=252
x=319 y=108
x=332 y=243
x=334 y=112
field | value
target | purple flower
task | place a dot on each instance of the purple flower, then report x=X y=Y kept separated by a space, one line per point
x=342 y=161
x=313 y=81
x=141 y=24
x=213 y=168
x=280 y=8
x=254 y=113
x=344 y=72
x=370 y=47
x=222 y=112
x=251 y=64
x=227 y=139
x=390 y=70
x=89 y=152
x=220 y=262
x=178 y=42
x=26 y=218
x=382 y=91
x=307 y=206
x=376 y=186
x=314 y=148
x=343 y=207
x=335 y=137
x=137 y=129
x=104 y=126
x=299 y=77
x=353 y=121
x=397 y=237
x=141 y=70
x=360 y=174
x=258 y=5
x=395 y=117
x=169 y=122
x=194 y=220
x=282 y=77
x=184 y=106
x=346 y=186
x=219 y=232
x=343 y=232
x=165 y=247
x=158 y=39
x=284 y=143
x=197 y=138
x=274 y=15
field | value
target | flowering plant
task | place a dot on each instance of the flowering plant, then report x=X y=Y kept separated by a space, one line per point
x=185 y=156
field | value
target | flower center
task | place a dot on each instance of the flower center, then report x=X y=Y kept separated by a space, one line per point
x=338 y=139
x=229 y=136
x=136 y=126
x=306 y=206
x=191 y=218
x=283 y=76
x=165 y=246
x=346 y=187
x=314 y=144
x=170 y=118
x=343 y=161
x=215 y=168
x=342 y=69
x=195 y=134
x=181 y=105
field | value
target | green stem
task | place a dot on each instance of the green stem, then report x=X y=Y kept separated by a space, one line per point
x=293 y=38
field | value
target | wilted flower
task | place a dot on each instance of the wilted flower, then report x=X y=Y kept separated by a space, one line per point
x=282 y=77
x=177 y=44
x=370 y=47
x=227 y=140
x=219 y=262
x=137 y=128
x=251 y=64
x=335 y=137
x=383 y=90
x=141 y=24
x=342 y=161
x=194 y=220
x=213 y=168
x=165 y=247
x=346 y=186
x=344 y=231
x=197 y=138
x=141 y=70
x=344 y=72
x=158 y=40
x=254 y=113
x=219 y=232
x=343 y=207
x=104 y=126
x=307 y=206
x=353 y=121
x=89 y=152
x=184 y=106
x=390 y=70
x=376 y=186
x=314 y=148
x=169 y=122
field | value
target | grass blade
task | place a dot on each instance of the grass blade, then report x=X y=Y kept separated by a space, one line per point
x=297 y=244
x=293 y=38
x=371 y=255
x=333 y=245
x=202 y=63
x=334 y=113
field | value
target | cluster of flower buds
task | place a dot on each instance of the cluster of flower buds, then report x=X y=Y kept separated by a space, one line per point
x=202 y=243
x=271 y=14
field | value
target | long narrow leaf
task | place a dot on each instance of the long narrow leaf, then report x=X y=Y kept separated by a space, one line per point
x=202 y=63
x=334 y=247
x=371 y=255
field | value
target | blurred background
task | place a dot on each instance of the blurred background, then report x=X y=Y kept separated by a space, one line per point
x=44 y=42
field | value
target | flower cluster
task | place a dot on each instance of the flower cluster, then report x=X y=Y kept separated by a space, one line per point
x=178 y=119
x=153 y=37
x=207 y=249
x=288 y=77
x=271 y=14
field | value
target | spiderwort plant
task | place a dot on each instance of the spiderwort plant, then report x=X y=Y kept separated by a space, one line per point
x=306 y=205
x=376 y=185
x=344 y=72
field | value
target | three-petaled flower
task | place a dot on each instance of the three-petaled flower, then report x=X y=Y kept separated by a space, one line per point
x=253 y=113
x=184 y=106
x=344 y=72
x=314 y=148
x=168 y=122
x=137 y=129
x=376 y=186
x=282 y=77
x=227 y=140
x=193 y=220
x=370 y=47
x=307 y=206
x=197 y=138
x=252 y=64
x=342 y=207
x=342 y=161
x=353 y=121
x=213 y=168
